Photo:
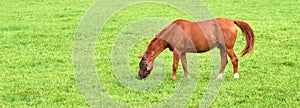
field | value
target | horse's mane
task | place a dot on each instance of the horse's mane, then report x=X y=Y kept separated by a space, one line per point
x=150 y=44
x=160 y=36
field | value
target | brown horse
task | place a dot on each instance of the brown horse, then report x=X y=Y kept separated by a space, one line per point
x=183 y=36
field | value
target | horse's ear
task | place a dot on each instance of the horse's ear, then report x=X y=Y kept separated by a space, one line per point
x=141 y=56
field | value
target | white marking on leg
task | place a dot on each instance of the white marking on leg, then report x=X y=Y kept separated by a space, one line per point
x=220 y=76
x=236 y=75
x=187 y=76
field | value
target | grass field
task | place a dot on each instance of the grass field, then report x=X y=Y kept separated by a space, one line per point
x=37 y=38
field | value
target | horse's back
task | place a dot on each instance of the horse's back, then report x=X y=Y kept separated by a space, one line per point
x=198 y=36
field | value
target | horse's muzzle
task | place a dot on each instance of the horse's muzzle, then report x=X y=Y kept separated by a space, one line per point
x=138 y=77
x=141 y=76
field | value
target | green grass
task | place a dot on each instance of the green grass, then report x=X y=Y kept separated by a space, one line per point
x=37 y=38
x=36 y=53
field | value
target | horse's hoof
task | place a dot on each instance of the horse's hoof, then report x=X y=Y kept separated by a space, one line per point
x=220 y=76
x=187 y=76
x=236 y=75
x=173 y=78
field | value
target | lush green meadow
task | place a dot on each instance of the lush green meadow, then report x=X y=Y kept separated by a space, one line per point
x=36 y=43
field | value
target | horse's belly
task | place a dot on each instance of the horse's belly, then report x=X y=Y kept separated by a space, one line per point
x=204 y=44
x=205 y=47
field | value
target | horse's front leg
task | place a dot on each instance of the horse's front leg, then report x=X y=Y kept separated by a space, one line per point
x=175 y=63
x=184 y=64
x=224 y=62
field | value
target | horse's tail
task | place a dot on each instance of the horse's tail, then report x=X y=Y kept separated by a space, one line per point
x=248 y=32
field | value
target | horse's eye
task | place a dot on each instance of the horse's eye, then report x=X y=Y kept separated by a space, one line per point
x=143 y=65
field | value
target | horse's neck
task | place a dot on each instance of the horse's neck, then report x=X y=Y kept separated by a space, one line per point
x=155 y=47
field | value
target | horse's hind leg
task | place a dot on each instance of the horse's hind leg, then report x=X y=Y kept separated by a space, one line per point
x=175 y=63
x=224 y=61
x=234 y=61
x=184 y=64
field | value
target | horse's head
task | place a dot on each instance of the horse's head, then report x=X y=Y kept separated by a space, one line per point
x=145 y=67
